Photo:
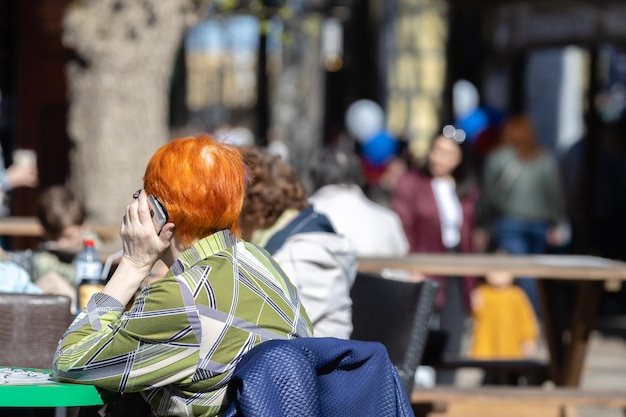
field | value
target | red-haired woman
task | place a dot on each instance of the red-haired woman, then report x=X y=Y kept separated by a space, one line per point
x=181 y=339
x=523 y=200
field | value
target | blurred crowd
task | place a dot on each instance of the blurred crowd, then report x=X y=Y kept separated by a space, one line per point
x=460 y=197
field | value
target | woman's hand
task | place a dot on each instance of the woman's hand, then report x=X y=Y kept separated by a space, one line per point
x=22 y=175
x=559 y=235
x=480 y=240
x=476 y=300
x=142 y=248
x=529 y=348
x=142 y=245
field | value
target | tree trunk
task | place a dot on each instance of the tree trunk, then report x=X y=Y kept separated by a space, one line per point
x=118 y=80
x=297 y=115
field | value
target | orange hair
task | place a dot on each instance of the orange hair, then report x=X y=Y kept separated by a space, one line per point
x=519 y=132
x=201 y=183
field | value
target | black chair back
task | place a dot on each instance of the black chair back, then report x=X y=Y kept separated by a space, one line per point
x=396 y=314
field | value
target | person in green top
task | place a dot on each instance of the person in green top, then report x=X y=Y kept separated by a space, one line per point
x=181 y=339
x=523 y=203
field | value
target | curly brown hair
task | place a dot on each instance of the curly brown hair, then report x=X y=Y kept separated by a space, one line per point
x=272 y=188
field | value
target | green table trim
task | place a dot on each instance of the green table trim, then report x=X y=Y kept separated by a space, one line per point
x=55 y=394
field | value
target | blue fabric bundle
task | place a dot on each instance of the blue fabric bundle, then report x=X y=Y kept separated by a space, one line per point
x=317 y=377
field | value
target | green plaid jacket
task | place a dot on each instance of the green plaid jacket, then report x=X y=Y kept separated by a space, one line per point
x=183 y=336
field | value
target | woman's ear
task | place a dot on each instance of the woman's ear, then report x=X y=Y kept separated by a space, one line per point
x=167 y=232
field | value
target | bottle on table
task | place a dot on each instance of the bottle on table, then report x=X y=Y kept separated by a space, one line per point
x=89 y=279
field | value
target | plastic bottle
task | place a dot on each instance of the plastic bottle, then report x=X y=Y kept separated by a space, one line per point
x=88 y=268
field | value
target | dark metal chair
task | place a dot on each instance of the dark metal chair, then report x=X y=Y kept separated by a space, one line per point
x=396 y=314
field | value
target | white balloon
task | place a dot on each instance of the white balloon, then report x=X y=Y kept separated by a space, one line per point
x=364 y=119
x=465 y=98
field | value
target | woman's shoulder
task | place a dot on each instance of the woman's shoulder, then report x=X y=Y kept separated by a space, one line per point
x=498 y=159
x=413 y=177
x=501 y=152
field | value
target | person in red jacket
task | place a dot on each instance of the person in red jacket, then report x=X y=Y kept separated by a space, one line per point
x=436 y=203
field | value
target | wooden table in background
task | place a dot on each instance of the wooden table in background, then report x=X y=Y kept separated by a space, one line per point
x=567 y=344
x=30 y=227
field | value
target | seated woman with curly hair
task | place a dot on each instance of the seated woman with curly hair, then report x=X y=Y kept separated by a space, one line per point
x=321 y=263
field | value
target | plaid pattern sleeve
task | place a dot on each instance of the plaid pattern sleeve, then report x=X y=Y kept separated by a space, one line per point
x=184 y=334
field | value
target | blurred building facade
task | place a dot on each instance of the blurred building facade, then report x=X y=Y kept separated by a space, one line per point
x=34 y=97
x=562 y=61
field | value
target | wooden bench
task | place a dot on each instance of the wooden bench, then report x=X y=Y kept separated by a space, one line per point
x=508 y=401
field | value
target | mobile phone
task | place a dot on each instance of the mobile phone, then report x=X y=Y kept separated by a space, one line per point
x=158 y=213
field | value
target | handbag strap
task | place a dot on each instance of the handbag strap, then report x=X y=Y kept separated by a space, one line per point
x=508 y=176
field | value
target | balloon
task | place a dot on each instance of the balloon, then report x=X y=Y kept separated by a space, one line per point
x=380 y=148
x=465 y=98
x=474 y=123
x=495 y=115
x=364 y=119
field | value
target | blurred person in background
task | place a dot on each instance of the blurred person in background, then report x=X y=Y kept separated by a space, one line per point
x=14 y=278
x=523 y=207
x=321 y=263
x=62 y=214
x=17 y=175
x=496 y=303
x=436 y=203
x=337 y=180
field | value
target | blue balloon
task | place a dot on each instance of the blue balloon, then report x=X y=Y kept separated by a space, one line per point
x=474 y=123
x=495 y=115
x=380 y=148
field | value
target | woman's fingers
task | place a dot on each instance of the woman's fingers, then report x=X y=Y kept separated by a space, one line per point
x=143 y=209
x=138 y=213
x=139 y=236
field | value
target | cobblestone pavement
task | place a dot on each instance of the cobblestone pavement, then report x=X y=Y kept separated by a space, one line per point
x=605 y=368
